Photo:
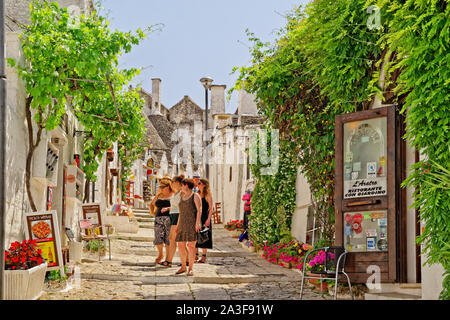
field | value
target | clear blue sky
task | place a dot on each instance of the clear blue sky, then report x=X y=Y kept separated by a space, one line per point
x=199 y=38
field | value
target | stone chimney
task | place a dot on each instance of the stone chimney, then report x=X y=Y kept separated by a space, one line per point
x=246 y=103
x=217 y=99
x=156 y=96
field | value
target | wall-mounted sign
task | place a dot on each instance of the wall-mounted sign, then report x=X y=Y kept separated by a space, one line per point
x=364 y=188
x=92 y=212
x=43 y=227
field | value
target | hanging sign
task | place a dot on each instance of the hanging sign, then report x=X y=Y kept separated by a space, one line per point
x=42 y=226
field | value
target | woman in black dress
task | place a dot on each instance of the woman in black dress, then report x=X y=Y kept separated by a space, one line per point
x=207 y=209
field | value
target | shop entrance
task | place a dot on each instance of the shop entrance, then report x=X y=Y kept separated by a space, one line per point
x=370 y=203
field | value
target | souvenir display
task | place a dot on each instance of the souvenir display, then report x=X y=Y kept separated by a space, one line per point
x=52 y=161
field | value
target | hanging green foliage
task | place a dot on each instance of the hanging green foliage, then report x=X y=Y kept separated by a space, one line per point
x=339 y=56
x=419 y=34
x=319 y=67
x=76 y=64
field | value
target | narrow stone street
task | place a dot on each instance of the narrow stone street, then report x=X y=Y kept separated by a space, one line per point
x=231 y=273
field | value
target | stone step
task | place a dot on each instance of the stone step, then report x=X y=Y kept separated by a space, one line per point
x=402 y=288
x=147 y=225
x=143 y=215
x=203 y=279
x=391 y=296
x=141 y=211
x=154 y=252
x=148 y=219
x=132 y=237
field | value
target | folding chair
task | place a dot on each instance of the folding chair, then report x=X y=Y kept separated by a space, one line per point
x=85 y=225
x=332 y=267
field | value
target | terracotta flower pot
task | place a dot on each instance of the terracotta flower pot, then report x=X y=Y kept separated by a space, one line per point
x=316 y=282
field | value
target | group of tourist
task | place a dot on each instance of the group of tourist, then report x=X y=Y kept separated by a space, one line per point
x=182 y=208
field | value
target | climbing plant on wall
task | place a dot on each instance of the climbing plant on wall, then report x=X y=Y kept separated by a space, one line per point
x=330 y=59
x=418 y=33
x=316 y=69
x=76 y=64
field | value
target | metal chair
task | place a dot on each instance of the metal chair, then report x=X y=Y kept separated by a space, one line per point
x=85 y=225
x=333 y=267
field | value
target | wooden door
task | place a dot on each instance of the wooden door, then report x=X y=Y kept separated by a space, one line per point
x=366 y=192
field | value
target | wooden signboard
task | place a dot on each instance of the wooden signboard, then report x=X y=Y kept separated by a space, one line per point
x=43 y=227
x=92 y=212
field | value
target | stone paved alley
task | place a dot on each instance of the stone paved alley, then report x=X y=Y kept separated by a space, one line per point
x=231 y=273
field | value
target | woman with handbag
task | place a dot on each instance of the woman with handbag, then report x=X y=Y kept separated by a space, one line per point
x=188 y=225
x=207 y=209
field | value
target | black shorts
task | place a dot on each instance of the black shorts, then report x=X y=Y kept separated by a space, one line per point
x=174 y=219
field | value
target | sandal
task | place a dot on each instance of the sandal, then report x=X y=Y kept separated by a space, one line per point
x=203 y=259
x=180 y=271
x=166 y=264
x=190 y=273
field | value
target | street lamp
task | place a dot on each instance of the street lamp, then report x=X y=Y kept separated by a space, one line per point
x=206 y=81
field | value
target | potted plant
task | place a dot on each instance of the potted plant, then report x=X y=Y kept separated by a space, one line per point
x=317 y=263
x=236 y=226
x=94 y=246
x=24 y=272
x=55 y=281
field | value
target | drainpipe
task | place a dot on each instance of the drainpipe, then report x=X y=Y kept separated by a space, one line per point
x=2 y=144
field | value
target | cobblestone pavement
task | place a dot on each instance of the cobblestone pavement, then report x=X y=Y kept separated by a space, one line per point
x=231 y=273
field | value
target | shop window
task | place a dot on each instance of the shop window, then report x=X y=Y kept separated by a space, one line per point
x=365 y=154
x=365 y=231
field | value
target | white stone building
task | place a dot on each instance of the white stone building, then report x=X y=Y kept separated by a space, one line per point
x=54 y=191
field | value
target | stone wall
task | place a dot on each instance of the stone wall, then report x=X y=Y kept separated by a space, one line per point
x=16 y=149
x=19 y=10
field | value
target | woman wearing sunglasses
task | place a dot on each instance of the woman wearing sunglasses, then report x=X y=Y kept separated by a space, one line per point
x=162 y=218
